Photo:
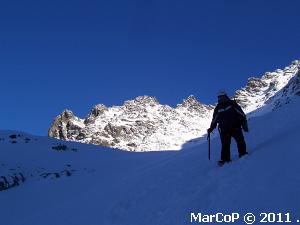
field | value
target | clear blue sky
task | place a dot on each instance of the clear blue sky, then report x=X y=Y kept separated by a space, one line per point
x=75 y=54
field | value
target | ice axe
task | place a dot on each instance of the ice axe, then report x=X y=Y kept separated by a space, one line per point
x=208 y=138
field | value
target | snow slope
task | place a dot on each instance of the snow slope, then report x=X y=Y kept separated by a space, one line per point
x=110 y=187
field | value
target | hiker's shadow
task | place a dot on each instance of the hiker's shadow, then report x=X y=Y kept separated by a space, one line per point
x=192 y=142
x=199 y=141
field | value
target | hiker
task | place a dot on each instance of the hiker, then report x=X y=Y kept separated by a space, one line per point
x=231 y=119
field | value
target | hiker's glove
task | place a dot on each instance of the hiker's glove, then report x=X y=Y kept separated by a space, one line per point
x=209 y=130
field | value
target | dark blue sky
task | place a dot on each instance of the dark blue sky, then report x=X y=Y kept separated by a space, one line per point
x=75 y=54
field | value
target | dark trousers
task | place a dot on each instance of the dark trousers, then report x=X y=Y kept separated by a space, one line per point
x=238 y=136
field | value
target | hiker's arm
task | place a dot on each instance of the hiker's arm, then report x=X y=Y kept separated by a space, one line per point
x=239 y=109
x=213 y=123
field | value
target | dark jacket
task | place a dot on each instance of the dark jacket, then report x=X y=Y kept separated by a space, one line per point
x=229 y=115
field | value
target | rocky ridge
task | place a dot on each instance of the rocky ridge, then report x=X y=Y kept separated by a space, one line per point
x=139 y=124
x=143 y=124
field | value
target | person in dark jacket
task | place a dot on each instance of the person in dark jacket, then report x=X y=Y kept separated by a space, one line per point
x=231 y=119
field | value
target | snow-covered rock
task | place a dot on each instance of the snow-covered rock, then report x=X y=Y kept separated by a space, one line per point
x=143 y=124
x=271 y=90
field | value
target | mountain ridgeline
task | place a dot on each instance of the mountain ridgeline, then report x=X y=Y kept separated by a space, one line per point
x=143 y=124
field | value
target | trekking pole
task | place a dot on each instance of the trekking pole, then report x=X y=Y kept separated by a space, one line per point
x=208 y=138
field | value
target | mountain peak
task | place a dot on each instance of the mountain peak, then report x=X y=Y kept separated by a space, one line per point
x=96 y=111
x=192 y=104
x=142 y=100
x=191 y=100
x=67 y=114
x=63 y=122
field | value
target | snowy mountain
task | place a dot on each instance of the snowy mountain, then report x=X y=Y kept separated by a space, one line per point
x=143 y=124
x=51 y=181
x=270 y=91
